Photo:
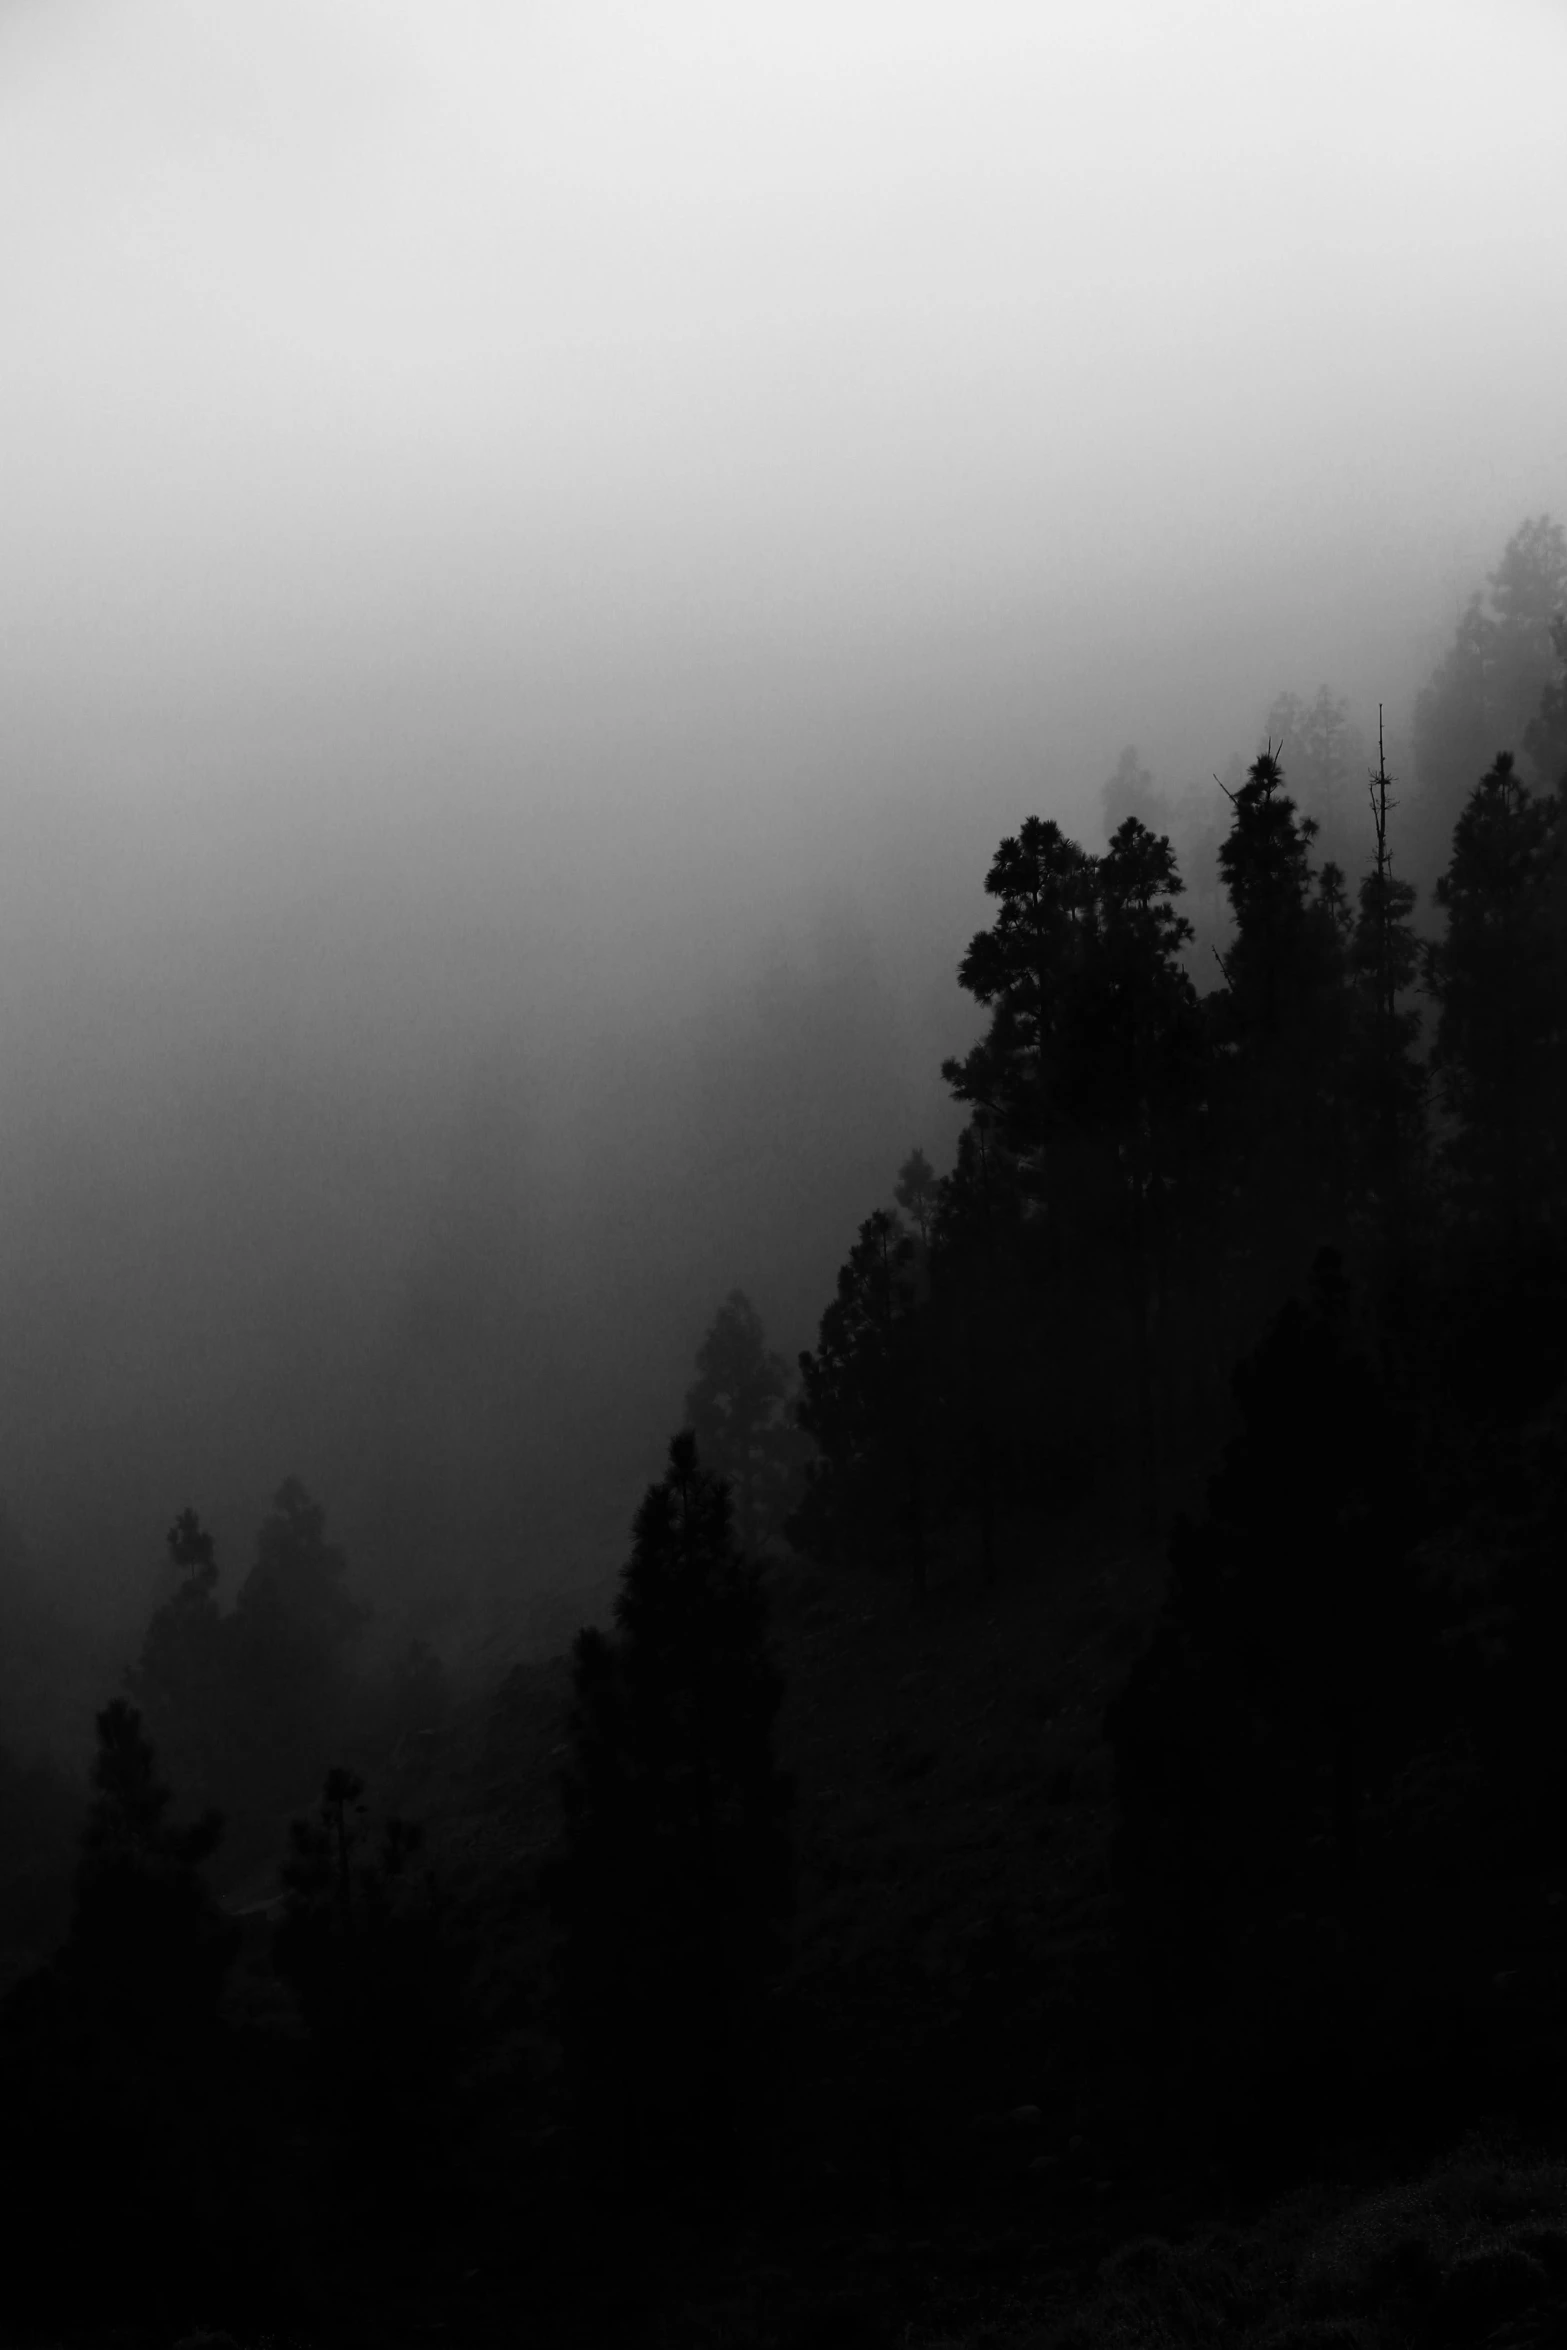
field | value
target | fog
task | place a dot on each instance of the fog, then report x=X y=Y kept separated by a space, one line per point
x=543 y=548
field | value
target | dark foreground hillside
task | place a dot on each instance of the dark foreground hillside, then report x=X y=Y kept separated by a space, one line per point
x=950 y=2148
x=952 y=2143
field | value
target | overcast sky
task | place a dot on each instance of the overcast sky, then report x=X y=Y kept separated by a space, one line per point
x=594 y=491
x=362 y=353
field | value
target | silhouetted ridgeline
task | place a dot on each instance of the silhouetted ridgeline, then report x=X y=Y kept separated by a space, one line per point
x=1060 y=1835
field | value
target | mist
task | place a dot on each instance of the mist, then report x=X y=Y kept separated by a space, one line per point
x=543 y=549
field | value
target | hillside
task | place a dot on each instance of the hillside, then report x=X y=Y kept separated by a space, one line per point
x=935 y=2073
x=950 y=2158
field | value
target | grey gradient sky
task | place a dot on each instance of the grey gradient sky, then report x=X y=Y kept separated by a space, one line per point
x=525 y=523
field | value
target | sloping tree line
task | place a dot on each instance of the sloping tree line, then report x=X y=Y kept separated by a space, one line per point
x=249 y=1705
x=1147 y=1170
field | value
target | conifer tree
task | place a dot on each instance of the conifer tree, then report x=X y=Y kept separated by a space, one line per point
x=1487 y=690
x=1497 y=978
x=916 y=1193
x=1315 y=738
x=1388 y=1081
x=365 y=1947
x=1131 y=791
x=1140 y=1074
x=1545 y=736
x=147 y=1935
x=1090 y=1067
x=978 y=1315
x=113 y=2056
x=1280 y=1026
x=736 y=1409
x=1266 y=863
x=673 y=1876
x=1023 y=969
x=1287 y=1671
x=862 y=1406
x=180 y=1681
x=294 y=1625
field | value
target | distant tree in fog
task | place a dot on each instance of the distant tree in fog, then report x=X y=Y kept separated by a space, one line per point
x=1317 y=746
x=1545 y=736
x=736 y=1409
x=293 y=1631
x=1131 y=791
x=1486 y=693
x=916 y=1193
x=180 y=1680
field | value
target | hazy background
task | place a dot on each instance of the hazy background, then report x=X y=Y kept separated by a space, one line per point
x=542 y=547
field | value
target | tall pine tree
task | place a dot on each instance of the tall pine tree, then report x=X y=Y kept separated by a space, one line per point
x=674 y=1874
x=1497 y=977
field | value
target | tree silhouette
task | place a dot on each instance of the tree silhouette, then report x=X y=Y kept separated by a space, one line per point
x=1280 y=1158
x=1143 y=1072
x=1023 y=970
x=146 y=1932
x=1288 y=1676
x=1388 y=1081
x=365 y=1947
x=735 y=1407
x=861 y=1405
x=181 y=1680
x=1545 y=736
x=113 y=2060
x=1488 y=689
x=1091 y=1065
x=292 y=1634
x=916 y=1193
x=673 y=1874
x=1497 y=978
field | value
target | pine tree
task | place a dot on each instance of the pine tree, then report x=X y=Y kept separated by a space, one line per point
x=1280 y=1026
x=736 y=1409
x=978 y=1292
x=114 y=2059
x=180 y=1681
x=1388 y=1081
x=916 y=1193
x=1545 y=736
x=1024 y=969
x=147 y=1936
x=1496 y=975
x=293 y=1629
x=365 y=1947
x=1131 y=791
x=1487 y=691
x=1140 y=1073
x=1289 y=1669
x=862 y=1407
x=1316 y=738
x=673 y=1876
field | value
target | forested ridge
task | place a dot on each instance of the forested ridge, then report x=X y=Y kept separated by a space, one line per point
x=1059 y=1832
